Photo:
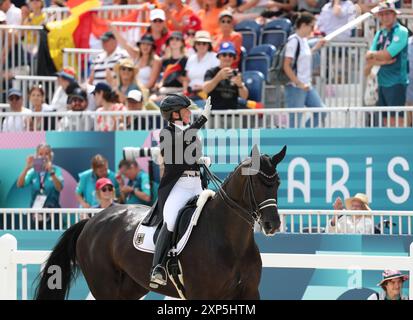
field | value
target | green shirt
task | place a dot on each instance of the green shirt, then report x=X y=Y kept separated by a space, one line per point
x=141 y=182
x=395 y=42
x=43 y=179
x=87 y=186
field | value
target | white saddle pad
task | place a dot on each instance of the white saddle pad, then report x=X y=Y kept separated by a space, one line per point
x=143 y=238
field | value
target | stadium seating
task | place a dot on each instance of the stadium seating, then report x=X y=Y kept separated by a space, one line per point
x=255 y=82
x=260 y=59
x=250 y=31
x=276 y=32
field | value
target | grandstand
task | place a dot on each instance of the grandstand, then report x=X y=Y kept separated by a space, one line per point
x=346 y=146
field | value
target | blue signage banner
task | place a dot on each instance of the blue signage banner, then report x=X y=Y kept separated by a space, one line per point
x=320 y=165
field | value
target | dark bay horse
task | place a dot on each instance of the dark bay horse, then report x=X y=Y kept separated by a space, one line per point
x=220 y=261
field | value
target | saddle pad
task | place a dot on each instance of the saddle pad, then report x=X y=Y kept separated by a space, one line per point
x=143 y=238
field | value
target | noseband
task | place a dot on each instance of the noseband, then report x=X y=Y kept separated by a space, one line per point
x=255 y=210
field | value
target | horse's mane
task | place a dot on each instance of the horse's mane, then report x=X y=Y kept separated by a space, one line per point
x=267 y=173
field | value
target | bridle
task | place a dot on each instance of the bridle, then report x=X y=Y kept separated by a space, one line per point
x=254 y=213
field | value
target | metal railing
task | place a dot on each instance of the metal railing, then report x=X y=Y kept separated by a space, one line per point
x=356 y=117
x=292 y=221
x=341 y=81
x=80 y=60
x=24 y=83
x=18 y=53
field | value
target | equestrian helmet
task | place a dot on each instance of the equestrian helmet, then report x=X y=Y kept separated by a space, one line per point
x=173 y=103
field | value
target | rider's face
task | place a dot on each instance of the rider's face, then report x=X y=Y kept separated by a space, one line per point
x=185 y=115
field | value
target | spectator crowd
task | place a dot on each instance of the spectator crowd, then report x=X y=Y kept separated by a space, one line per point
x=192 y=47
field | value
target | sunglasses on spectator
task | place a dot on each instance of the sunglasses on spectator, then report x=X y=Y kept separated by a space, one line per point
x=35 y=0
x=126 y=69
x=201 y=43
x=12 y=98
x=226 y=21
x=227 y=55
x=107 y=188
x=190 y=34
x=157 y=21
x=173 y=38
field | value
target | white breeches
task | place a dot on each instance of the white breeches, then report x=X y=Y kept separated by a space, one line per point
x=184 y=189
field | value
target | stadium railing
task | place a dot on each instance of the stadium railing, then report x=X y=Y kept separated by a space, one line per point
x=354 y=117
x=292 y=221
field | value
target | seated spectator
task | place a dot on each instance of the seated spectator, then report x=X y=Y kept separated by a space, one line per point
x=121 y=178
x=352 y=224
x=145 y=59
x=105 y=61
x=37 y=104
x=199 y=63
x=280 y=8
x=300 y=93
x=227 y=34
x=125 y=79
x=16 y=123
x=107 y=100
x=77 y=122
x=311 y=6
x=105 y=193
x=177 y=12
x=135 y=103
x=138 y=189
x=85 y=190
x=209 y=16
x=158 y=30
x=392 y=285
x=44 y=178
x=223 y=83
x=13 y=14
x=65 y=79
x=334 y=15
x=173 y=66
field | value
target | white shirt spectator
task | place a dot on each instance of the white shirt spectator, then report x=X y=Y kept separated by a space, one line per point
x=104 y=62
x=304 y=57
x=76 y=122
x=196 y=69
x=350 y=224
x=16 y=123
x=14 y=15
x=59 y=100
x=328 y=22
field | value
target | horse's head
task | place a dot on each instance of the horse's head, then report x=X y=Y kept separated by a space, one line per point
x=255 y=182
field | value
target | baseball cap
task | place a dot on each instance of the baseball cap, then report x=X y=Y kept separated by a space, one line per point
x=103 y=182
x=225 y=13
x=193 y=23
x=14 y=92
x=102 y=86
x=157 y=14
x=226 y=47
x=67 y=73
x=387 y=6
x=135 y=95
x=78 y=93
x=107 y=35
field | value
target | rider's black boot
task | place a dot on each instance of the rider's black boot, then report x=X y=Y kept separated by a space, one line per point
x=158 y=274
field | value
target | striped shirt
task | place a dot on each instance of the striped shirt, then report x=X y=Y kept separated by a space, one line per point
x=103 y=62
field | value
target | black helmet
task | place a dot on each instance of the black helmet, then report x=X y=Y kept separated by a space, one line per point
x=173 y=103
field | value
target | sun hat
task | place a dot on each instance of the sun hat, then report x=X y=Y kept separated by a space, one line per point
x=67 y=73
x=203 y=36
x=392 y=274
x=386 y=6
x=361 y=197
x=126 y=63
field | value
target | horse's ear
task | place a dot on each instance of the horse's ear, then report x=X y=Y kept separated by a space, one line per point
x=276 y=159
x=255 y=151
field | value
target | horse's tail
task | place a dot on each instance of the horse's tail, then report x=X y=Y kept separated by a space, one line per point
x=54 y=284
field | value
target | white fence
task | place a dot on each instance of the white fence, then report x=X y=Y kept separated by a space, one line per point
x=11 y=257
x=354 y=117
x=293 y=221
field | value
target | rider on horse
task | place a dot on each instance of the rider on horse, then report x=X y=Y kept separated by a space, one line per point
x=181 y=179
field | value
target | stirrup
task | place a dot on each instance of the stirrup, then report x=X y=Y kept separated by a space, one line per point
x=158 y=277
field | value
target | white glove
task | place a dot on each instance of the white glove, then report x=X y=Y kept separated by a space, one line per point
x=207 y=108
x=204 y=160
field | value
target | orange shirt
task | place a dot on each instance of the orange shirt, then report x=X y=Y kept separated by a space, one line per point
x=178 y=16
x=210 y=20
x=236 y=39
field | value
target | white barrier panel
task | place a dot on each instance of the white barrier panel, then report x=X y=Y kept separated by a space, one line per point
x=10 y=257
x=354 y=117
x=24 y=83
x=292 y=221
